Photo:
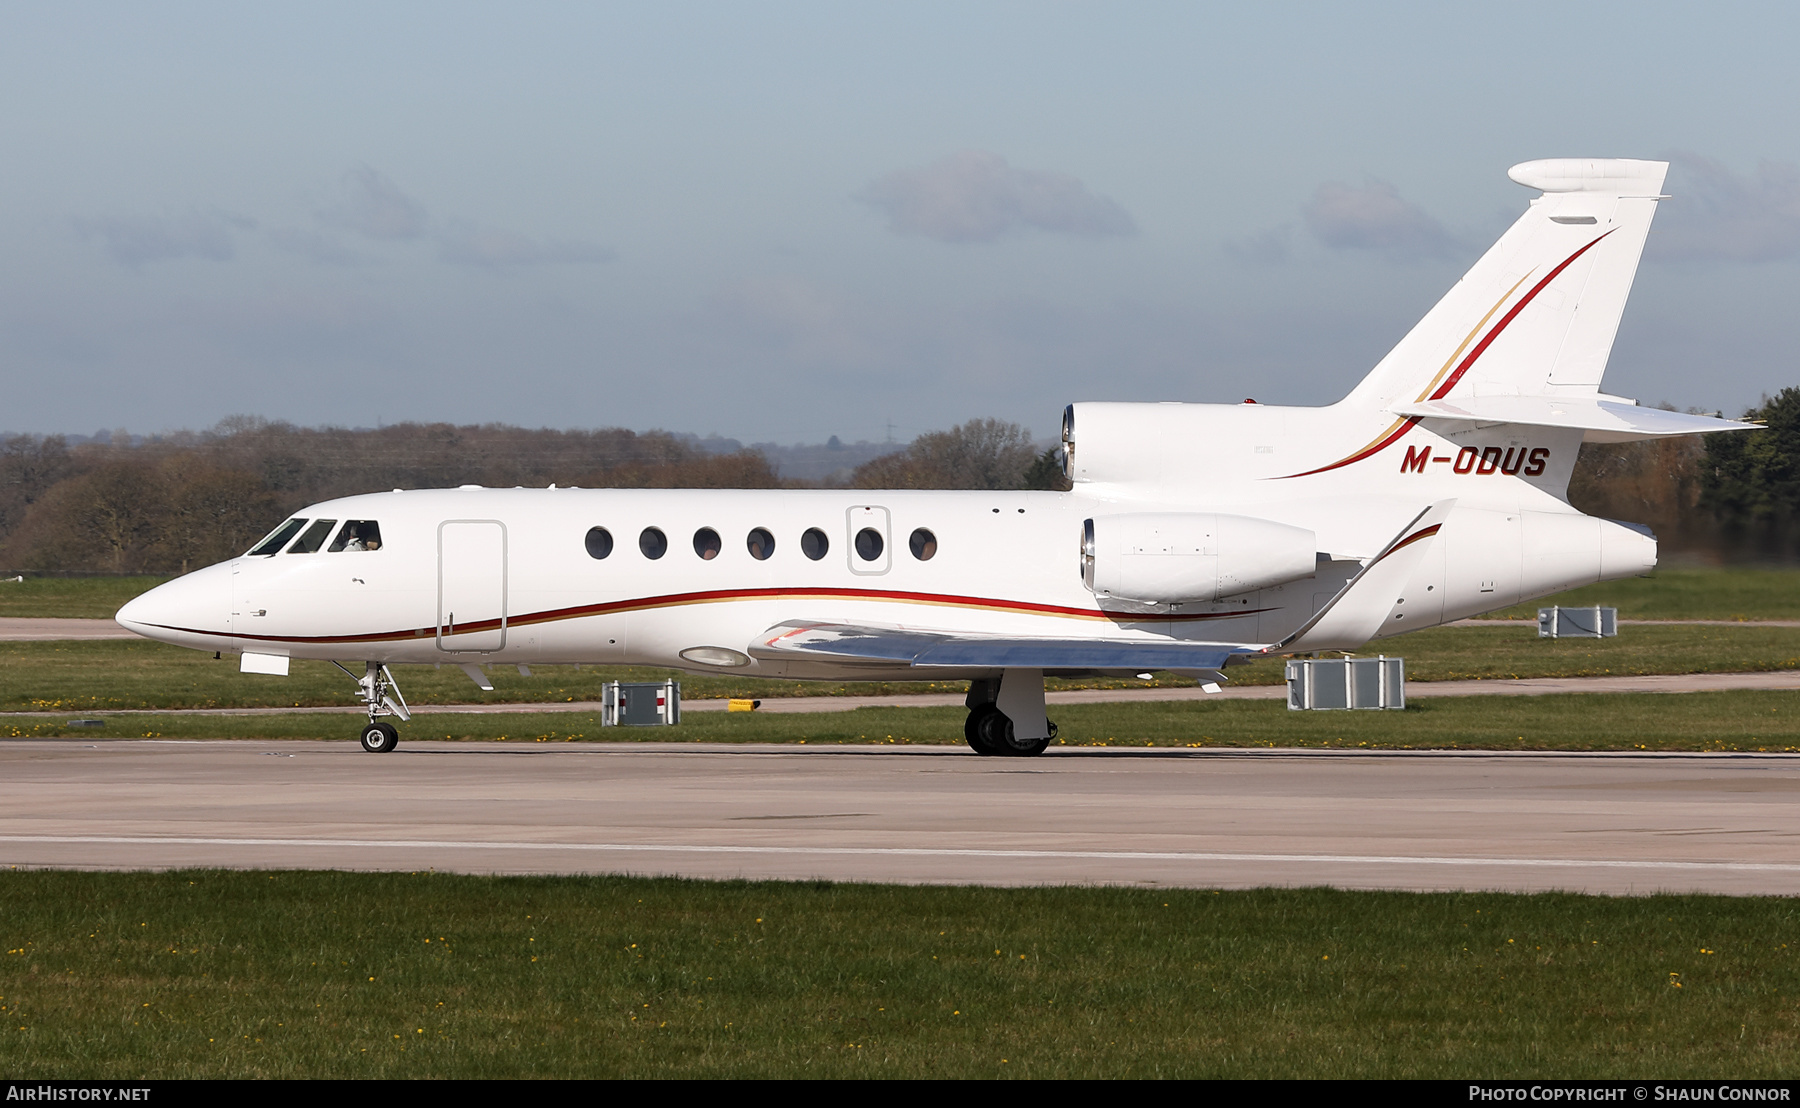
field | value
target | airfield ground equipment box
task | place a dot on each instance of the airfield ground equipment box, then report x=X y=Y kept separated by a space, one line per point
x=1322 y=683
x=640 y=704
x=1578 y=623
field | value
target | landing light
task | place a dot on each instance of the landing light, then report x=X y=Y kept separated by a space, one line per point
x=715 y=656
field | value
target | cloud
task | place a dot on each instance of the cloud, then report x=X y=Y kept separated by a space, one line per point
x=374 y=207
x=313 y=246
x=468 y=245
x=975 y=196
x=1717 y=215
x=135 y=240
x=1271 y=247
x=1375 y=217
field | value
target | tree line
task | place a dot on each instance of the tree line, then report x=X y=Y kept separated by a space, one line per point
x=186 y=500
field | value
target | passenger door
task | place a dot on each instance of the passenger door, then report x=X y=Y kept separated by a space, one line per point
x=471 y=585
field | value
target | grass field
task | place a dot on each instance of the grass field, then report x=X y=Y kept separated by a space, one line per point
x=205 y=974
x=71 y=597
x=1687 y=592
x=111 y=675
x=1714 y=721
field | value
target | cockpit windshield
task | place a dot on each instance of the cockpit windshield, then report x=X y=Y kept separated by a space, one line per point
x=358 y=534
x=278 y=538
x=355 y=534
x=314 y=537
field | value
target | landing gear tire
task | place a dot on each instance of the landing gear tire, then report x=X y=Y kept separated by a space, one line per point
x=988 y=731
x=380 y=737
x=979 y=724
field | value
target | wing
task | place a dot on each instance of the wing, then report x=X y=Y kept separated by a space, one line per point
x=890 y=646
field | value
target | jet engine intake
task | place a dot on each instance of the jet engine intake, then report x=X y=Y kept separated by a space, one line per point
x=1178 y=558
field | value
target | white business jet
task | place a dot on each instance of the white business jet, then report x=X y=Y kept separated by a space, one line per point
x=1196 y=537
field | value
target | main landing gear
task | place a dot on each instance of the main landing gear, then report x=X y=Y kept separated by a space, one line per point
x=374 y=687
x=1006 y=715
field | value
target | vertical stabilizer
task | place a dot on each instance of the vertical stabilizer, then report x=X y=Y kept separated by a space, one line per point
x=1537 y=314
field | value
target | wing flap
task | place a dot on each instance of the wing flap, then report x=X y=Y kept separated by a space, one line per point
x=889 y=646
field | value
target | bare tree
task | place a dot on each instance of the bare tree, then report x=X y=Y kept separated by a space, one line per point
x=979 y=454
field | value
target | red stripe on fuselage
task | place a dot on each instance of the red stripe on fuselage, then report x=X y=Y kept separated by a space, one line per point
x=717 y=596
x=1422 y=533
x=1409 y=424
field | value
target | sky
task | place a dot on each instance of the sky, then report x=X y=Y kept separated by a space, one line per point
x=784 y=221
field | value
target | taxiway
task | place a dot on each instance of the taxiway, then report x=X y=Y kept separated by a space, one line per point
x=1603 y=823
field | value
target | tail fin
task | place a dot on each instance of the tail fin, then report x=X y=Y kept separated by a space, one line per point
x=1537 y=314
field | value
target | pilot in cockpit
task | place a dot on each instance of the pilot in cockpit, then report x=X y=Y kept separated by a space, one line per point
x=360 y=534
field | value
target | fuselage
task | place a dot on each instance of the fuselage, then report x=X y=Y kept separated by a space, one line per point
x=564 y=575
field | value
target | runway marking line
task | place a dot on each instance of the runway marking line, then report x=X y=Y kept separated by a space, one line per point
x=923 y=852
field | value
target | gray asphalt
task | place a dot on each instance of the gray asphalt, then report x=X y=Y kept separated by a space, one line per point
x=20 y=629
x=1402 y=820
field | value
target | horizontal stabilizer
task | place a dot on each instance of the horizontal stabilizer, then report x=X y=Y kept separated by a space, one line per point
x=888 y=646
x=1604 y=418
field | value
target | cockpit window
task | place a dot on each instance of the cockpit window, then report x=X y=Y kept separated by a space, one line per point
x=313 y=537
x=278 y=538
x=357 y=534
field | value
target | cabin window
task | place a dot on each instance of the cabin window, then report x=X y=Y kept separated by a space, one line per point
x=278 y=538
x=707 y=544
x=653 y=543
x=761 y=544
x=923 y=544
x=868 y=544
x=357 y=534
x=814 y=544
x=599 y=542
x=313 y=537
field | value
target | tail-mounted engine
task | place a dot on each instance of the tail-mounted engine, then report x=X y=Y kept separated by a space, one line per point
x=1178 y=558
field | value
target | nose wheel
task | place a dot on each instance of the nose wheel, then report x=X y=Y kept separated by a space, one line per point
x=380 y=737
x=382 y=697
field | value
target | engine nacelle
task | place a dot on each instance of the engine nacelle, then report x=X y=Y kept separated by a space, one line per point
x=1176 y=558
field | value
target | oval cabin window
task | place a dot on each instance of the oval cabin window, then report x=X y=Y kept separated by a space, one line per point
x=923 y=544
x=814 y=544
x=653 y=543
x=707 y=544
x=868 y=544
x=760 y=543
x=599 y=542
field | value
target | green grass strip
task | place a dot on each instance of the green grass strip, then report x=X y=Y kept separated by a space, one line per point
x=78 y=676
x=71 y=597
x=1710 y=721
x=1688 y=592
x=207 y=974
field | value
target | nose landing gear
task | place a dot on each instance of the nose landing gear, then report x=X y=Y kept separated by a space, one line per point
x=373 y=687
x=380 y=737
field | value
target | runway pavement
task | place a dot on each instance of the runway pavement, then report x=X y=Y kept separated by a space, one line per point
x=19 y=629
x=1213 y=818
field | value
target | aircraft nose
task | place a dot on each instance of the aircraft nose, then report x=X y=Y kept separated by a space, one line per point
x=186 y=611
